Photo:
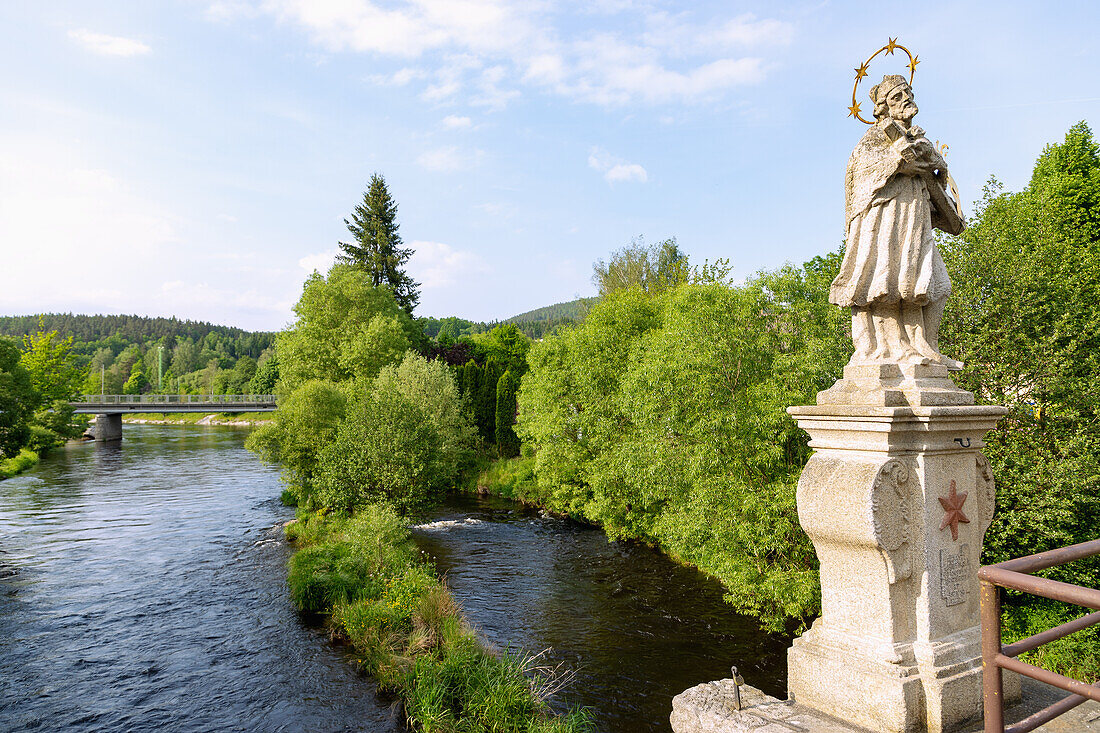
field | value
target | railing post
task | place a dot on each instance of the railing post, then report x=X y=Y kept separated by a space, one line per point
x=992 y=684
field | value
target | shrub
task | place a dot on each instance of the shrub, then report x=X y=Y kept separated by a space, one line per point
x=21 y=462
x=507 y=441
x=405 y=593
x=1076 y=655
x=384 y=450
x=404 y=440
x=304 y=424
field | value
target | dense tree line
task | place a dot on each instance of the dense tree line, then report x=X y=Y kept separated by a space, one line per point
x=452 y=326
x=91 y=332
x=135 y=355
x=662 y=418
x=38 y=377
x=542 y=322
x=573 y=310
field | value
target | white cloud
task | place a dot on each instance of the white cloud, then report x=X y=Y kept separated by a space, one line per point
x=493 y=209
x=399 y=78
x=320 y=261
x=682 y=38
x=437 y=265
x=447 y=159
x=454 y=122
x=105 y=45
x=626 y=172
x=485 y=51
x=616 y=170
x=406 y=29
x=223 y=11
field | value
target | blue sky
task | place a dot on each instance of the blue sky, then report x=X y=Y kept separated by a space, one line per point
x=197 y=158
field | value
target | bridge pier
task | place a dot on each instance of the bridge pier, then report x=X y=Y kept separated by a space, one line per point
x=108 y=427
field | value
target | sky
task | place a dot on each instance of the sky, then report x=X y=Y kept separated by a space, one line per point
x=198 y=158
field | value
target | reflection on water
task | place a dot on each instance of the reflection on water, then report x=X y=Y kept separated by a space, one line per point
x=142 y=587
x=635 y=628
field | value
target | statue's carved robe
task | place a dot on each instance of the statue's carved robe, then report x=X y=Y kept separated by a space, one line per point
x=890 y=254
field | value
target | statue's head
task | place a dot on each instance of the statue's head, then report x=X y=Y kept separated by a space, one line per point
x=893 y=97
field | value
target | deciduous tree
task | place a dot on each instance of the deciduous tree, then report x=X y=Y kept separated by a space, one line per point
x=17 y=400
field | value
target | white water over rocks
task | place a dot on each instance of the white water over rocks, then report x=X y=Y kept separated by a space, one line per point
x=443 y=525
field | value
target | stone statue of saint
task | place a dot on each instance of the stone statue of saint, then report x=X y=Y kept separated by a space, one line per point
x=893 y=277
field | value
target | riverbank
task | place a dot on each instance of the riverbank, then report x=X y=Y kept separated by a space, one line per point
x=387 y=602
x=231 y=419
x=26 y=458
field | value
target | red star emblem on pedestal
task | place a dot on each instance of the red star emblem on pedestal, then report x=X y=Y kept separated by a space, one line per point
x=953 y=511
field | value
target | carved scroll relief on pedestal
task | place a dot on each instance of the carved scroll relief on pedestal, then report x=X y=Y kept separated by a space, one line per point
x=987 y=494
x=890 y=512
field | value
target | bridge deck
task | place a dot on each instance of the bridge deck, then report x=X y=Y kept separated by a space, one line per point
x=108 y=404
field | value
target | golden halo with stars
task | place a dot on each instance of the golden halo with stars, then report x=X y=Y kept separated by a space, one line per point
x=891 y=46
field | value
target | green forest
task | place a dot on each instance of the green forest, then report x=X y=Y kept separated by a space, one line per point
x=656 y=410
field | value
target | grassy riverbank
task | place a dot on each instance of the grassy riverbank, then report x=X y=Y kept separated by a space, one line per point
x=385 y=600
x=511 y=478
x=18 y=463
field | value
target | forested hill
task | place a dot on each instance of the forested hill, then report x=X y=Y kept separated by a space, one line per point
x=131 y=329
x=542 y=321
x=573 y=310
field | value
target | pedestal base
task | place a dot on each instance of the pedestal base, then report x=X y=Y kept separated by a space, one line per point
x=895 y=385
x=896 y=499
x=898 y=689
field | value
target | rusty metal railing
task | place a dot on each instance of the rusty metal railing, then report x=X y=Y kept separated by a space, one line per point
x=1016 y=574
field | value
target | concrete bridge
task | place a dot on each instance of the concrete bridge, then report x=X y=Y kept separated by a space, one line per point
x=109 y=409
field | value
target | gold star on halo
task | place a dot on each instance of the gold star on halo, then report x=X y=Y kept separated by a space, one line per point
x=891 y=45
x=861 y=71
x=913 y=64
x=853 y=111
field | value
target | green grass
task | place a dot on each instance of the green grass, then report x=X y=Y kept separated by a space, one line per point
x=512 y=478
x=408 y=632
x=17 y=464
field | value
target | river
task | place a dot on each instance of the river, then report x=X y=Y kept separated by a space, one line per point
x=143 y=587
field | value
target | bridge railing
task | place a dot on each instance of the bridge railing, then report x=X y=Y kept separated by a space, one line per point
x=174 y=399
x=1016 y=574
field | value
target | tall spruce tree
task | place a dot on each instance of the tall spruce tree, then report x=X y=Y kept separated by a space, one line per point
x=376 y=247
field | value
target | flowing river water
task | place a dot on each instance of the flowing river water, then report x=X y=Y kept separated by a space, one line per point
x=143 y=587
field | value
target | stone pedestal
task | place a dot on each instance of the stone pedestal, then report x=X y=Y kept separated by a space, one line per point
x=108 y=427
x=896 y=499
